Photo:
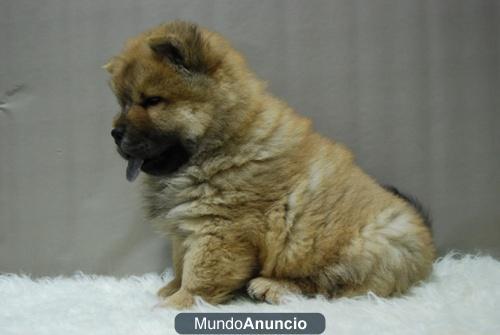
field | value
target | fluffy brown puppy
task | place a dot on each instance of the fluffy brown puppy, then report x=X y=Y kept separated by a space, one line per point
x=250 y=195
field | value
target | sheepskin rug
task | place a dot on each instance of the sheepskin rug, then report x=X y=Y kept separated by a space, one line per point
x=461 y=297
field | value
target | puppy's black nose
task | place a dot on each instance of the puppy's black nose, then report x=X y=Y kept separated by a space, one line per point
x=118 y=133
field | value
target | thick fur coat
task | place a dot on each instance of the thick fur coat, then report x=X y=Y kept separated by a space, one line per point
x=251 y=197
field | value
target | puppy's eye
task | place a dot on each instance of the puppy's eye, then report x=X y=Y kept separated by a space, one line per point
x=151 y=101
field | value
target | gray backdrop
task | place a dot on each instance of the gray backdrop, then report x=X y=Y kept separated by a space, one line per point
x=411 y=86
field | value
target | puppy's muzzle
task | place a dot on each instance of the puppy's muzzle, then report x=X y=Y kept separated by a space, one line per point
x=154 y=155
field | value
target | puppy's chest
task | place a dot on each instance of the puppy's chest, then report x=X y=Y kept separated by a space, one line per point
x=183 y=205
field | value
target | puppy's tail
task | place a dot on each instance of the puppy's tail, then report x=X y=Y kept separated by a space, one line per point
x=412 y=201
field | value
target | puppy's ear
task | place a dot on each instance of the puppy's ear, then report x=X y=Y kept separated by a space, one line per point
x=184 y=46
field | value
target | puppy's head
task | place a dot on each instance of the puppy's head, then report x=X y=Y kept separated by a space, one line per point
x=176 y=85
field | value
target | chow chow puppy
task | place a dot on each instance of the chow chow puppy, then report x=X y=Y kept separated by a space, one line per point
x=251 y=197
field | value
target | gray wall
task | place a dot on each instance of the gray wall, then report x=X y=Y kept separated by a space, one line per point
x=411 y=86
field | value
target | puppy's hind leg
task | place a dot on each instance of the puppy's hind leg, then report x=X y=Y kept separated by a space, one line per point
x=390 y=255
x=272 y=290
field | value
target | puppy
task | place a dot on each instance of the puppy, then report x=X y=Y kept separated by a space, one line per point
x=250 y=195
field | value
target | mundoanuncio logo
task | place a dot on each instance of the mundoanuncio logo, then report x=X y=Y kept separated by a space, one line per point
x=250 y=323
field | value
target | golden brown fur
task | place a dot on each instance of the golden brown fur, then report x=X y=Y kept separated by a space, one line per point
x=264 y=202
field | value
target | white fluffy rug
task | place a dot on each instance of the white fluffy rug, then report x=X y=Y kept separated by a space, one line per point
x=461 y=297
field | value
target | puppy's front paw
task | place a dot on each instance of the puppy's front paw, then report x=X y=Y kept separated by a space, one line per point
x=181 y=299
x=169 y=289
x=269 y=290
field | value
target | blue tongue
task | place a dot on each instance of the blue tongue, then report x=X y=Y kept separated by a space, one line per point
x=133 y=168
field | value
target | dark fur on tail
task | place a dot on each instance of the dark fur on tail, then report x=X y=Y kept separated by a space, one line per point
x=412 y=201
